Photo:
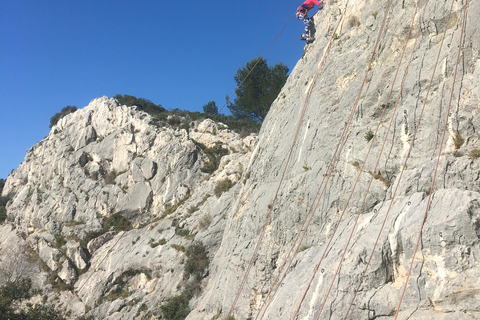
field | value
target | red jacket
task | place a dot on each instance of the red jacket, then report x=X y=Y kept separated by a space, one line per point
x=308 y=4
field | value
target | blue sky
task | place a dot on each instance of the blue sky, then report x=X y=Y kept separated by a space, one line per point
x=178 y=54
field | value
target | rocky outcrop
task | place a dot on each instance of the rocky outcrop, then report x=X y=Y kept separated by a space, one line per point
x=109 y=203
x=105 y=163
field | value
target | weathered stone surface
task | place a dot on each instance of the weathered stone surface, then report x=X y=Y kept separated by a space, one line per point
x=76 y=253
x=96 y=243
x=67 y=273
x=106 y=159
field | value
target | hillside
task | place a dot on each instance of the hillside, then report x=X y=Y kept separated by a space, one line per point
x=360 y=181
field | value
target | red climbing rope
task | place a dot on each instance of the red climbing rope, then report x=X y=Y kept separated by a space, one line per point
x=344 y=137
x=438 y=157
x=300 y=234
x=383 y=144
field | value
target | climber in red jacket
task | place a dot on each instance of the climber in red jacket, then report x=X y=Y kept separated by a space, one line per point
x=302 y=12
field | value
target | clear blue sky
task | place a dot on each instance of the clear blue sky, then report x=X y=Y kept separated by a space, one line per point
x=179 y=54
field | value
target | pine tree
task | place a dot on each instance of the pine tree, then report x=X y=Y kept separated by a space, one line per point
x=257 y=93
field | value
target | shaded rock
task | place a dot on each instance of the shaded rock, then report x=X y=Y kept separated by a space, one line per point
x=76 y=253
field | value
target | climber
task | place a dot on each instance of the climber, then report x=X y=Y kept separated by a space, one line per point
x=302 y=12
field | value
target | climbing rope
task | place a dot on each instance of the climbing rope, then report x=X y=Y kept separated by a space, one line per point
x=384 y=141
x=344 y=137
x=75 y=294
x=439 y=154
x=301 y=228
x=267 y=220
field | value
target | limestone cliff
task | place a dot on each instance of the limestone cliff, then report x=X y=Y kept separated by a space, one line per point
x=107 y=160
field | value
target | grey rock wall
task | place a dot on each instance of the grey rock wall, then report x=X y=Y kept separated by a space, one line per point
x=444 y=281
x=106 y=160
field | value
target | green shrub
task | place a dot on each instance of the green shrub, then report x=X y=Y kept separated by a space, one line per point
x=177 y=307
x=117 y=222
x=141 y=104
x=197 y=261
x=474 y=153
x=210 y=108
x=13 y=293
x=222 y=186
x=214 y=155
x=60 y=240
x=368 y=135
x=67 y=110
x=458 y=140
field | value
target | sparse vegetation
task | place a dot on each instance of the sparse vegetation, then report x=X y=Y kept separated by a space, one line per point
x=457 y=154
x=247 y=176
x=116 y=222
x=171 y=209
x=368 y=135
x=14 y=293
x=154 y=244
x=305 y=166
x=222 y=186
x=353 y=22
x=303 y=248
x=57 y=116
x=59 y=241
x=205 y=222
x=474 y=153
x=382 y=179
x=214 y=155
x=192 y=209
x=458 y=140
x=177 y=307
x=197 y=261
x=111 y=176
x=178 y=247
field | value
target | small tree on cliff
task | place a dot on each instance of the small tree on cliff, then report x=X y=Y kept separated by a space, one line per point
x=256 y=94
x=210 y=108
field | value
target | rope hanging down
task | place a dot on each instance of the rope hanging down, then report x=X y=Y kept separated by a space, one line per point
x=267 y=219
x=383 y=144
x=439 y=154
x=397 y=185
x=300 y=235
x=344 y=137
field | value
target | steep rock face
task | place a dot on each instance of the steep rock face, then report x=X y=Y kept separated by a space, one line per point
x=444 y=280
x=108 y=161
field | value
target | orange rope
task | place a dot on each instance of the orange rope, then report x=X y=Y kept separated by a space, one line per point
x=347 y=126
x=438 y=157
x=306 y=218
x=267 y=220
x=383 y=145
